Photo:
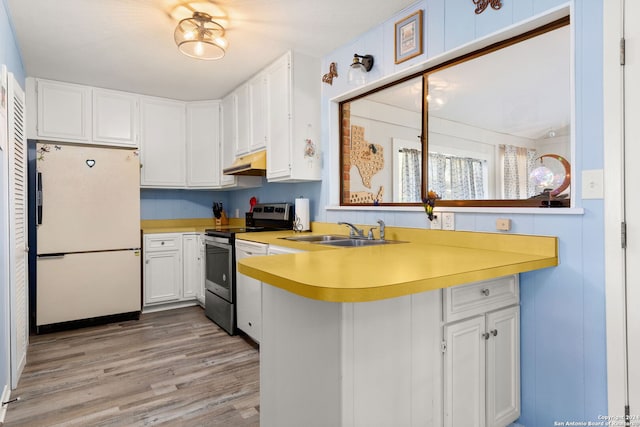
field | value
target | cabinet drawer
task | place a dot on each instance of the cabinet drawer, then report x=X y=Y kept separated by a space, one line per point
x=162 y=242
x=464 y=301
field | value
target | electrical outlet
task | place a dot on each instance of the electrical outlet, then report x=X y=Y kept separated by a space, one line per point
x=436 y=222
x=448 y=221
x=503 y=224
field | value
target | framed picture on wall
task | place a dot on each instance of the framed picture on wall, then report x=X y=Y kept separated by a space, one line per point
x=408 y=37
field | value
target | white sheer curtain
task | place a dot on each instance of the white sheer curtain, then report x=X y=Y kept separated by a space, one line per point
x=456 y=178
x=410 y=175
x=517 y=163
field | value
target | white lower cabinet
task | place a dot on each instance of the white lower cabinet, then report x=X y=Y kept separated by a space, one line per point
x=248 y=292
x=173 y=272
x=446 y=357
x=203 y=266
x=481 y=366
x=193 y=270
x=162 y=268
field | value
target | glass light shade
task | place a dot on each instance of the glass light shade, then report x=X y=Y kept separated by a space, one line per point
x=357 y=74
x=200 y=37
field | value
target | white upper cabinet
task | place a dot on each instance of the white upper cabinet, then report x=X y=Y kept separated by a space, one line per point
x=243 y=119
x=69 y=112
x=235 y=128
x=293 y=119
x=258 y=112
x=115 y=117
x=203 y=144
x=162 y=143
x=229 y=136
x=63 y=112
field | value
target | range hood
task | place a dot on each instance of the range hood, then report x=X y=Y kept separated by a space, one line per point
x=253 y=164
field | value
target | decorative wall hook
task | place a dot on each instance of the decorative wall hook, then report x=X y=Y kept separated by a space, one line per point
x=481 y=5
x=333 y=72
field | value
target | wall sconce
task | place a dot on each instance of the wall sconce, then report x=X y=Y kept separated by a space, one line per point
x=201 y=37
x=359 y=68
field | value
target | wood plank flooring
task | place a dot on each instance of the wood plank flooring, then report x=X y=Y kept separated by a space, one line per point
x=170 y=368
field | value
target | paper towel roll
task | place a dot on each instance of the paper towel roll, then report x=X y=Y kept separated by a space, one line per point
x=301 y=222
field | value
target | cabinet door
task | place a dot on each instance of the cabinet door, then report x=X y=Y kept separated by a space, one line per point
x=162 y=143
x=190 y=266
x=503 y=367
x=203 y=145
x=63 y=111
x=464 y=373
x=115 y=118
x=249 y=293
x=229 y=136
x=162 y=276
x=279 y=119
x=258 y=112
x=202 y=270
x=243 y=117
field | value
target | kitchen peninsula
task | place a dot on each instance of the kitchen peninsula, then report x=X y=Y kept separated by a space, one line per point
x=424 y=332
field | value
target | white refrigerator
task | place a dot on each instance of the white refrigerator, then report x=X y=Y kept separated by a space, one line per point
x=88 y=233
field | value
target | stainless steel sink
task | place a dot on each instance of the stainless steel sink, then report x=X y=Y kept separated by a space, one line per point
x=337 y=240
x=358 y=242
x=316 y=238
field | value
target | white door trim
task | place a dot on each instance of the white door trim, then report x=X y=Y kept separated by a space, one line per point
x=614 y=212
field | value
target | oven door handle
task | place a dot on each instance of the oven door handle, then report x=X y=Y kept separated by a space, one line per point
x=222 y=243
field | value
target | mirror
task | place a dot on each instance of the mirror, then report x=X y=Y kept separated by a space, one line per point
x=382 y=146
x=494 y=118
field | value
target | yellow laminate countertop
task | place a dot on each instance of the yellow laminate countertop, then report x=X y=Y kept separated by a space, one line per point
x=188 y=225
x=428 y=260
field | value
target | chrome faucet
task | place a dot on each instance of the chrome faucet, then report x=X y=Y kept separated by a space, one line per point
x=355 y=231
x=381 y=223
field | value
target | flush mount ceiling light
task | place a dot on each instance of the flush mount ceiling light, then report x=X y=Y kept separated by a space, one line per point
x=361 y=65
x=201 y=37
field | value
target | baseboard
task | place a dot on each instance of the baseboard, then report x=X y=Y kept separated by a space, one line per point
x=169 y=306
x=84 y=323
x=6 y=395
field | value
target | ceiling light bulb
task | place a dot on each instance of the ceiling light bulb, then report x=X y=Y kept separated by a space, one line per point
x=199 y=50
x=189 y=35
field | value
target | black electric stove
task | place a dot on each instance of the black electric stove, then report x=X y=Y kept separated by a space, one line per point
x=220 y=259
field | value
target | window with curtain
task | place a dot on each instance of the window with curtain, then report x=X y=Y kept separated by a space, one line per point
x=518 y=162
x=410 y=175
x=456 y=178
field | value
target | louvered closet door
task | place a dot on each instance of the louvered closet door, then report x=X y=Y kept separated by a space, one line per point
x=18 y=250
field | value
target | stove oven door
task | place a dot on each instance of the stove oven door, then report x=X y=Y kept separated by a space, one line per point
x=219 y=267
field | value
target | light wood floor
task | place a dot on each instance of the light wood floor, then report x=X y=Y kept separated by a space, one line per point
x=171 y=368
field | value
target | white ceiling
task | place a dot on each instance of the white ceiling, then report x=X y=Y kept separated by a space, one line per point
x=128 y=44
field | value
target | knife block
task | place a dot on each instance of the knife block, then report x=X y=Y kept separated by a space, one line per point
x=223 y=220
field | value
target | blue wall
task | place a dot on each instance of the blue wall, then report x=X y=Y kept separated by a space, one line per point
x=563 y=349
x=169 y=204
x=10 y=56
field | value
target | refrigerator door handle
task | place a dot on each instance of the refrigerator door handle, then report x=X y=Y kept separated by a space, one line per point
x=39 y=198
x=50 y=256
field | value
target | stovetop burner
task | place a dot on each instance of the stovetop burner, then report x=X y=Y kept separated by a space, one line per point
x=232 y=230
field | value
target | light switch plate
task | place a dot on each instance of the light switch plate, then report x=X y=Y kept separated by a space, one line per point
x=448 y=221
x=593 y=184
x=436 y=222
